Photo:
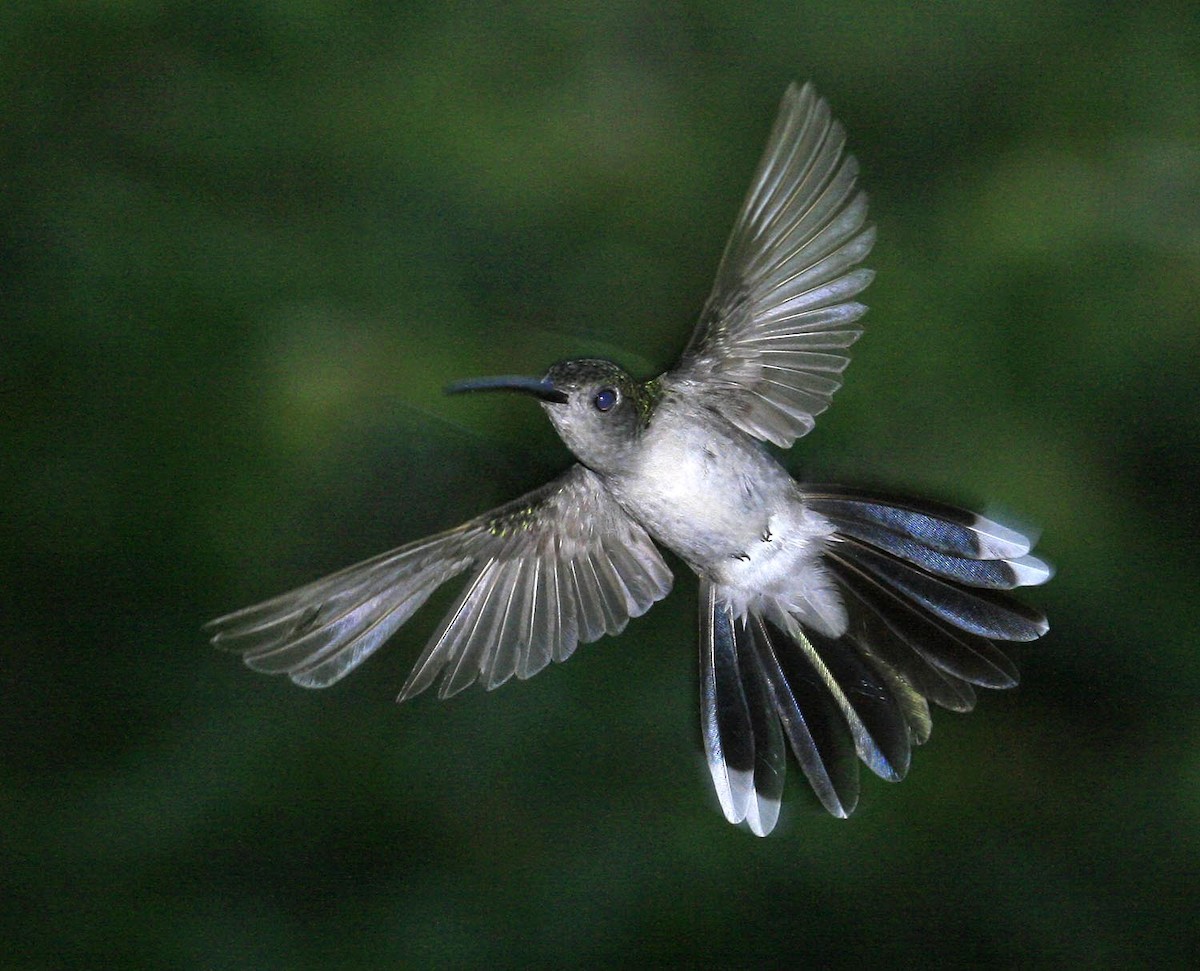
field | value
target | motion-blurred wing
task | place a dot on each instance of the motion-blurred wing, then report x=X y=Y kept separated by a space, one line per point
x=770 y=346
x=559 y=566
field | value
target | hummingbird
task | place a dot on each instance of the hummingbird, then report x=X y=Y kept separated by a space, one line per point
x=830 y=617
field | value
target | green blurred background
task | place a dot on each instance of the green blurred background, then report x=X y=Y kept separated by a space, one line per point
x=243 y=246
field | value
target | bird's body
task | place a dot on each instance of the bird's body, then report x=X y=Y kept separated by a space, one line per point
x=717 y=499
x=829 y=618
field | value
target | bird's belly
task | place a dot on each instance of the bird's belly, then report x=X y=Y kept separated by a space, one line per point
x=735 y=515
x=717 y=503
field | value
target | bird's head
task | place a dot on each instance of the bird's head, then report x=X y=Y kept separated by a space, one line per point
x=597 y=409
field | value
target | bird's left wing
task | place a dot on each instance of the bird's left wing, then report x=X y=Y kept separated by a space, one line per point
x=770 y=347
x=559 y=566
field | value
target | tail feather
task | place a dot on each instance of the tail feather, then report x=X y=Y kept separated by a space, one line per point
x=873 y=634
x=990 y=574
x=742 y=739
x=956 y=652
x=933 y=524
x=815 y=728
x=984 y=613
x=867 y=702
x=770 y=749
x=725 y=716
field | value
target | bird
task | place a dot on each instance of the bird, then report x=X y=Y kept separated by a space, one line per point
x=831 y=617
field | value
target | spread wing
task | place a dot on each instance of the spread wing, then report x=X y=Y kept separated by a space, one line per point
x=770 y=346
x=559 y=566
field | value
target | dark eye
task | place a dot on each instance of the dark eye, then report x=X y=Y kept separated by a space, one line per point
x=605 y=399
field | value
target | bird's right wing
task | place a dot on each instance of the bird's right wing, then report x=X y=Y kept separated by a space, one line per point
x=559 y=566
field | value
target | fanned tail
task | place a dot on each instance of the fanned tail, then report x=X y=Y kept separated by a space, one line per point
x=924 y=586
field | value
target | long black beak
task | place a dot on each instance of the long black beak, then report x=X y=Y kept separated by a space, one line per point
x=540 y=389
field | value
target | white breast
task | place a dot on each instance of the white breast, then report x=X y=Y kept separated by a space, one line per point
x=723 y=504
